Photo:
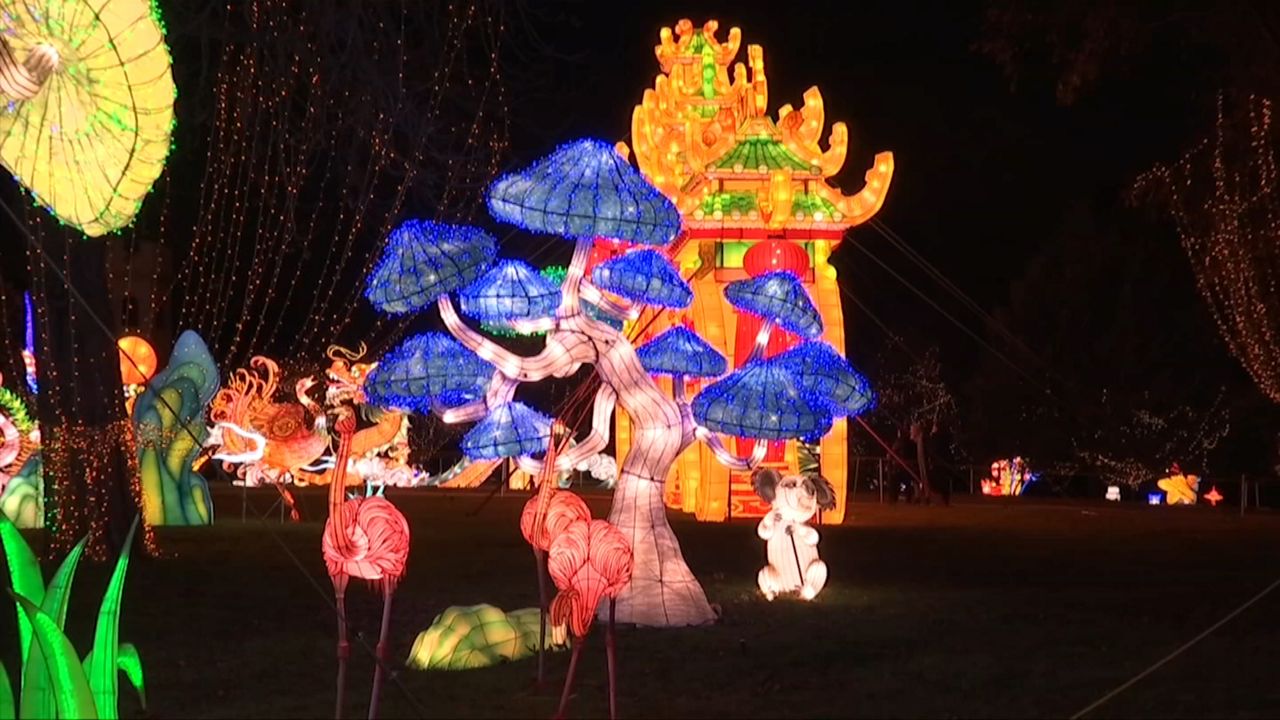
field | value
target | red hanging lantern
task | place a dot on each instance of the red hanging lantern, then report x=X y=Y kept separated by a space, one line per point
x=775 y=254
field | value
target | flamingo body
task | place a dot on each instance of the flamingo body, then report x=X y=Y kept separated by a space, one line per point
x=375 y=543
x=589 y=560
x=563 y=509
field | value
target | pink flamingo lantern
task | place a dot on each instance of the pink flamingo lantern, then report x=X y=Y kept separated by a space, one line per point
x=589 y=560
x=545 y=516
x=366 y=538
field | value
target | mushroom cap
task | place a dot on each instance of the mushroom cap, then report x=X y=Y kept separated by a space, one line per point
x=643 y=276
x=817 y=367
x=424 y=260
x=762 y=400
x=509 y=430
x=585 y=189
x=779 y=297
x=426 y=368
x=679 y=351
x=511 y=290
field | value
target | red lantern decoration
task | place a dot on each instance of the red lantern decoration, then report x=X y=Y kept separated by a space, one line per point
x=775 y=254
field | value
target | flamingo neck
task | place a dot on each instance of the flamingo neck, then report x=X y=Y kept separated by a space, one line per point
x=338 y=489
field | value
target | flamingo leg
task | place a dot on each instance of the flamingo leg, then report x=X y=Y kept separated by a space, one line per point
x=344 y=650
x=382 y=651
x=568 y=680
x=611 y=654
x=541 y=559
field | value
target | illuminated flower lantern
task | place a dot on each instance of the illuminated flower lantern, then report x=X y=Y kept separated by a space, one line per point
x=426 y=369
x=89 y=112
x=1179 y=489
x=424 y=260
x=755 y=196
x=509 y=430
x=643 y=276
x=762 y=401
x=680 y=353
x=511 y=293
x=775 y=302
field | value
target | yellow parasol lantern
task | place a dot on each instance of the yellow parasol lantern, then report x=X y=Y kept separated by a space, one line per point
x=86 y=106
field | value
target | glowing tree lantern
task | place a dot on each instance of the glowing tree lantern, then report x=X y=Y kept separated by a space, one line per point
x=643 y=276
x=756 y=196
x=584 y=190
x=679 y=352
x=762 y=401
x=168 y=419
x=818 y=368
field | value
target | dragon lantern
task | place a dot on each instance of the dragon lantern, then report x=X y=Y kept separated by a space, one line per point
x=296 y=447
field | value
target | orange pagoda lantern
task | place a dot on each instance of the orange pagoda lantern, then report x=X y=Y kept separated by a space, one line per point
x=754 y=194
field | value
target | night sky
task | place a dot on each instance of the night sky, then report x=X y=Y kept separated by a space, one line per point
x=999 y=186
x=985 y=172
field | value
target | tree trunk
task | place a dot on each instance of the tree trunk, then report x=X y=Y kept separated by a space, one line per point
x=90 y=466
x=663 y=591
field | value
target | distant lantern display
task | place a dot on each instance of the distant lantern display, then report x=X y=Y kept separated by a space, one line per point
x=754 y=194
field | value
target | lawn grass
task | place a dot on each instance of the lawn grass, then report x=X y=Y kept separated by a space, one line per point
x=986 y=609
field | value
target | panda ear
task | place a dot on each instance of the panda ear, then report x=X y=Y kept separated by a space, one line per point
x=765 y=482
x=823 y=492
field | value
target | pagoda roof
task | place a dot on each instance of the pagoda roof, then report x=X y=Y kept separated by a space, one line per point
x=761 y=152
x=741 y=203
